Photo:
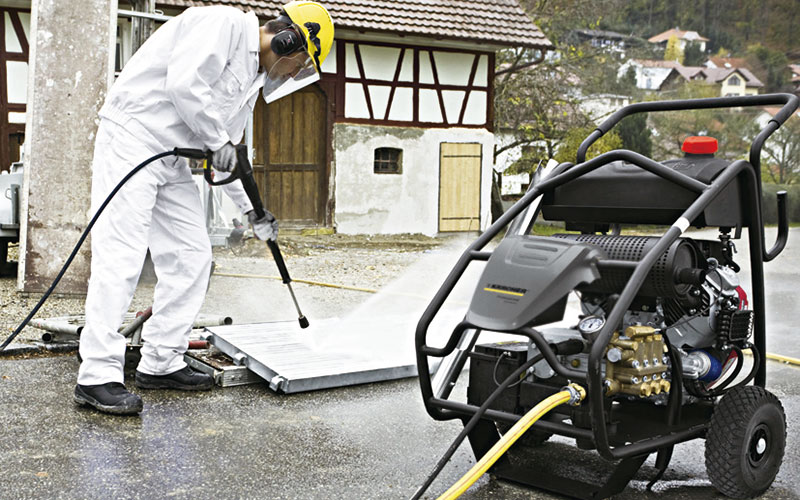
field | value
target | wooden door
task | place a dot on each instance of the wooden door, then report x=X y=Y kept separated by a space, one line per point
x=290 y=142
x=459 y=187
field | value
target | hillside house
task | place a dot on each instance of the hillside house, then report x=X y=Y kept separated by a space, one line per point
x=733 y=81
x=603 y=39
x=650 y=74
x=684 y=38
x=397 y=137
x=658 y=76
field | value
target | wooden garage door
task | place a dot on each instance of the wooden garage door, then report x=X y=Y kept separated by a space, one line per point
x=289 y=139
x=459 y=187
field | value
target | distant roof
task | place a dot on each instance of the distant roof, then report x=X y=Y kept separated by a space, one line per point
x=710 y=75
x=728 y=62
x=690 y=72
x=715 y=75
x=500 y=22
x=612 y=35
x=656 y=63
x=772 y=110
x=680 y=34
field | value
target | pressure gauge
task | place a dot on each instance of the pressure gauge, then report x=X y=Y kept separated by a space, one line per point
x=591 y=325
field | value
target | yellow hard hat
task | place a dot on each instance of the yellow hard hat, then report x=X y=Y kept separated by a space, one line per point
x=316 y=25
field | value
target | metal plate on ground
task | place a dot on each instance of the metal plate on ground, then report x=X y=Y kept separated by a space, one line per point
x=220 y=367
x=290 y=360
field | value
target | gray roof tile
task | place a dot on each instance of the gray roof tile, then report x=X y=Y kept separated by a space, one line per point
x=500 y=22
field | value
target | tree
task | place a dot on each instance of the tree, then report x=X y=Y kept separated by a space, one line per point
x=635 y=134
x=771 y=63
x=780 y=155
x=539 y=104
x=535 y=106
x=672 y=127
x=568 y=150
x=693 y=56
x=673 y=51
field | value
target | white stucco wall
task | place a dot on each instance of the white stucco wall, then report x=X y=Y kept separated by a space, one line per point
x=512 y=184
x=369 y=203
x=648 y=78
x=598 y=107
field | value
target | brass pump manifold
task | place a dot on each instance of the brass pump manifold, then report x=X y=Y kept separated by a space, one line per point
x=637 y=363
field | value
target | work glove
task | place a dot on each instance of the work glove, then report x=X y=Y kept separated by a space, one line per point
x=224 y=159
x=265 y=228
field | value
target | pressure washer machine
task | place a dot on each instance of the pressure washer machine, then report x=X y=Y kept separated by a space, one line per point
x=667 y=342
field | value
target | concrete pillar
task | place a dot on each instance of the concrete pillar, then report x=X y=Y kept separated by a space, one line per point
x=70 y=70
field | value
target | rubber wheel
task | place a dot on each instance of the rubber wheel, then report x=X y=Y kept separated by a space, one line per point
x=745 y=442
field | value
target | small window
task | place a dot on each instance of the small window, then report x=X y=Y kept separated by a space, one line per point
x=388 y=161
x=734 y=81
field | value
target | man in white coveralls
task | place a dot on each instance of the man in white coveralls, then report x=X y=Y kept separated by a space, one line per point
x=193 y=84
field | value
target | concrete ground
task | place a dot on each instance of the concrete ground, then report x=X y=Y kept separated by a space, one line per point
x=368 y=441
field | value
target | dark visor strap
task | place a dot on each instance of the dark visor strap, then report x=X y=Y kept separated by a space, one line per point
x=313 y=29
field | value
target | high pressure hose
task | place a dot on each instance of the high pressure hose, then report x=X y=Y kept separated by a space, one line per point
x=243 y=171
x=565 y=348
x=572 y=394
x=175 y=152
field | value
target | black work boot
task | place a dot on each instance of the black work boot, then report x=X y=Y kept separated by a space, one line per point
x=112 y=397
x=184 y=379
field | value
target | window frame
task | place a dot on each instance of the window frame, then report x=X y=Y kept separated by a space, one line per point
x=398 y=161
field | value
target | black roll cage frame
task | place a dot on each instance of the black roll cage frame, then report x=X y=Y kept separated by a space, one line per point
x=441 y=408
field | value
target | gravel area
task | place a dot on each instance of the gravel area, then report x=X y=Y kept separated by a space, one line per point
x=368 y=262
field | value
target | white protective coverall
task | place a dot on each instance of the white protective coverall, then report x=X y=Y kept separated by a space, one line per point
x=193 y=84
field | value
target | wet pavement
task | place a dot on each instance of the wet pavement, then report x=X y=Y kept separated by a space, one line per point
x=368 y=441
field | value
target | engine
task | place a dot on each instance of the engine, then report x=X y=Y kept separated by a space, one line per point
x=691 y=302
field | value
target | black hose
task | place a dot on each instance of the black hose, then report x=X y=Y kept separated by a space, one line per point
x=80 y=243
x=736 y=370
x=473 y=422
x=750 y=376
x=698 y=390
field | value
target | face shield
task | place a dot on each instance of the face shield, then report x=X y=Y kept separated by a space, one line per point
x=288 y=74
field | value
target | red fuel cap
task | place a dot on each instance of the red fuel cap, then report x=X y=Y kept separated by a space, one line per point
x=700 y=145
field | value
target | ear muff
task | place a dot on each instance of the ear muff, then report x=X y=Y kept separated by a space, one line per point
x=286 y=42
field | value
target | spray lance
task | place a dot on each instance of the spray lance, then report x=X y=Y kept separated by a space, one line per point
x=244 y=172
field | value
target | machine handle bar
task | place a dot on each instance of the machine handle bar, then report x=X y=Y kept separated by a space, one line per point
x=790 y=103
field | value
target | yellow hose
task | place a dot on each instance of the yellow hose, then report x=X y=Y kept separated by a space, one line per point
x=329 y=285
x=508 y=439
x=783 y=359
x=307 y=282
x=776 y=357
